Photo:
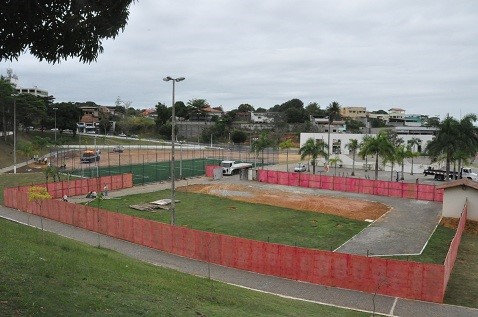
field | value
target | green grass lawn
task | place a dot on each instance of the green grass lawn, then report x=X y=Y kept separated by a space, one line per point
x=463 y=285
x=436 y=249
x=252 y=221
x=54 y=276
x=11 y=180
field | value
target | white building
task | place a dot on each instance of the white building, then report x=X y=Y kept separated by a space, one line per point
x=339 y=141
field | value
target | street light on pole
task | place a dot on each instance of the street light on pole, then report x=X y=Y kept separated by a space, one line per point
x=173 y=139
x=14 y=134
x=55 y=121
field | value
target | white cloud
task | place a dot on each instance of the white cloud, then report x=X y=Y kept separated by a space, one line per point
x=421 y=56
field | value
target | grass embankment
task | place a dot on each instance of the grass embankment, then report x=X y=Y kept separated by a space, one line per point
x=12 y=180
x=463 y=285
x=54 y=276
x=247 y=220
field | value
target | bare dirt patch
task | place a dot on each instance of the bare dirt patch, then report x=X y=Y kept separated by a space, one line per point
x=470 y=226
x=345 y=207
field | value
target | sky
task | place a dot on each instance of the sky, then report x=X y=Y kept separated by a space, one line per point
x=421 y=56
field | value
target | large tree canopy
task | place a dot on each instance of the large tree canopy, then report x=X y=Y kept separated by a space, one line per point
x=56 y=30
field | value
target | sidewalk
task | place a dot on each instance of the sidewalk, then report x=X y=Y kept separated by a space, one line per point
x=330 y=296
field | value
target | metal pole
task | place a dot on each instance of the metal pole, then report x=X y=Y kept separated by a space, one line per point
x=14 y=135
x=173 y=139
x=180 y=160
x=55 y=122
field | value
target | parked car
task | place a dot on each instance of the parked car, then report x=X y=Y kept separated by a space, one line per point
x=122 y=135
x=300 y=168
x=118 y=149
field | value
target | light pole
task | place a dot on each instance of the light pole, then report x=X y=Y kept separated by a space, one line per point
x=173 y=139
x=55 y=121
x=14 y=134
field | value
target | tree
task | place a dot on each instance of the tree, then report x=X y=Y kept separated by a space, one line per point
x=401 y=153
x=444 y=144
x=245 y=108
x=54 y=31
x=467 y=138
x=412 y=143
x=6 y=91
x=196 y=107
x=286 y=145
x=354 y=126
x=30 y=109
x=333 y=112
x=163 y=114
x=26 y=149
x=313 y=109
x=66 y=116
x=294 y=111
x=38 y=195
x=41 y=143
x=313 y=149
x=180 y=110
x=52 y=171
x=379 y=145
x=238 y=136
x=259 y=145
x=353 y=146
x=334 y=162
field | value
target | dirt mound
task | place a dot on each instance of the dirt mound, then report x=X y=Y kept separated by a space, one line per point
x=345 y=207
x=470 y=226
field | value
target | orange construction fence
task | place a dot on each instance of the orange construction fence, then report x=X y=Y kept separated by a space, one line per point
x=405 y=279
x=453 y=250
x=353 y=185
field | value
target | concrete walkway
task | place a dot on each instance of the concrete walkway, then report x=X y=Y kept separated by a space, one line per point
x=330 y=296
x=404 y=230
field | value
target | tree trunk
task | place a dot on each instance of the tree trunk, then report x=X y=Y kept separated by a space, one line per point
x=353 y=164
x=411 y=172
x=403 y=167
x=287 y=159
x=376 y=166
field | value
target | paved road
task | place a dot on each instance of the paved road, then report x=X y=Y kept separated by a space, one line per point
x=360 y=301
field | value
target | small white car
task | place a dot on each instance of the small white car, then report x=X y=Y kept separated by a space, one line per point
x=300 y=168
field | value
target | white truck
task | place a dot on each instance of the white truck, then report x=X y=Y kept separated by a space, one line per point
x=440 y=175
x=232 y=167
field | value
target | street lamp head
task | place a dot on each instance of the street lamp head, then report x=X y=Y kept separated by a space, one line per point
x=175 y=79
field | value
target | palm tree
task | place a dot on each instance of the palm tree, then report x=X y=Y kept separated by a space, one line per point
x=52 y=171
x=445 y=142
x=260 y=145
x=411 y=145
x=379 y=145
x=333 y=112
x=313 y=149
x=353 y=146
x=467 y=139
x=196 y=107
x=334 y=161
x=286 y=145
x=401 y=153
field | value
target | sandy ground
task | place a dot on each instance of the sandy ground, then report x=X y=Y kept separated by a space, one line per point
x=345 y=207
